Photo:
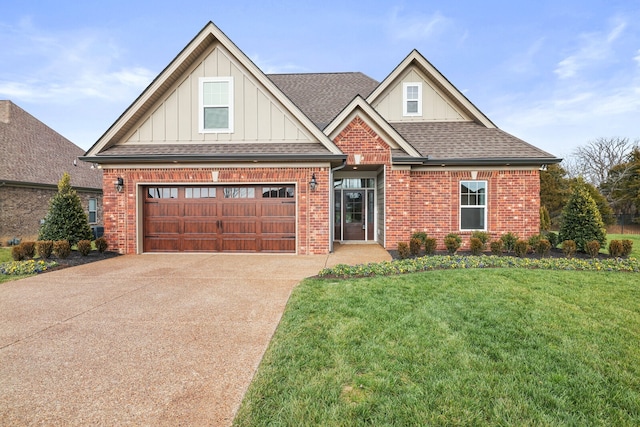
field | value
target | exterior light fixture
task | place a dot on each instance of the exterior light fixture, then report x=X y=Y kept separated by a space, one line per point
x=119 y=184
x=313 y=183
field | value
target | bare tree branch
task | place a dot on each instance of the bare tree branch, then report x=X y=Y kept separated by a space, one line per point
x=594 y=160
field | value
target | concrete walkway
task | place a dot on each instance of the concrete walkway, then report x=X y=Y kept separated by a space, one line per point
x=145 y=339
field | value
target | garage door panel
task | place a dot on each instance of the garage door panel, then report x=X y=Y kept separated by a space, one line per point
x=191 y=219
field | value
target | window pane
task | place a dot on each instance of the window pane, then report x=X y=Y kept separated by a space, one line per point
x=412 y=106
x=92 y=217
x=216 y=118
x=188 y=193
x=472 y=219
x=92 y=204
x=215 y=93
x=412 y=92
x=251 y=193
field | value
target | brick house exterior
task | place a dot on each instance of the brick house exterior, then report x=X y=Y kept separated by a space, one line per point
x=216 y=156
x=33 y=158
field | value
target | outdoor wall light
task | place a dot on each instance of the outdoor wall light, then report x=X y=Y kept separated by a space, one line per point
x=313 y=183
x=119 y=184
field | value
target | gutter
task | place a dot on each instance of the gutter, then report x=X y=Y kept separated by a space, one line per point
x=491 y=161
x=223 y=158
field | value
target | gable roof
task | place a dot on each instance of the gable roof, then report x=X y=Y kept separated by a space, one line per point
x=321 y=96
x=208 y=36
x=31 y=153
x=416 y=59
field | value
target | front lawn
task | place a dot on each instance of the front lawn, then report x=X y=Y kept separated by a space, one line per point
x=454 y=347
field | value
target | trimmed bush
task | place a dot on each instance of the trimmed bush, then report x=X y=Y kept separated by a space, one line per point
x=627 y=247
x=430 y=245
x=84 y=247
x=496 y=247
x=533 y=240
x=509 y=240
x=420 y=235
x=44 y=248
x=615 y=248
x=414 y=246
x=593 y=248
x=452 y=242
x=482 y=235
x=29 y=249
x=553 y=238
x=17 y=253
x=521 y=248
x=476 y=246
x=581 y=220
x=403 y=250
x=101 y=244
x=569 y=248
x=61 y=249
x=543 y=247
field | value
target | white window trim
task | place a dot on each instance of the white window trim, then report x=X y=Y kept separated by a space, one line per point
x=95 y=202
x=485 y=206
x=405 y=100
x=201 y=106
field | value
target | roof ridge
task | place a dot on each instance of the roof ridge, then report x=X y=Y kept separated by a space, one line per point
x=316 y=73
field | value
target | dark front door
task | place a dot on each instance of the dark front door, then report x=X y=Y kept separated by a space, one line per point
x=354 y=215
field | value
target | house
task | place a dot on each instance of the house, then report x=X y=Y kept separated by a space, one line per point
x=33 y=158
x=216 y=156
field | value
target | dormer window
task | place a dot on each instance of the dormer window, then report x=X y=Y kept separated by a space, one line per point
x=412 y=99
x=216 y=105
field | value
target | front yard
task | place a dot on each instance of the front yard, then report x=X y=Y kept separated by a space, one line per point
x=454 y=347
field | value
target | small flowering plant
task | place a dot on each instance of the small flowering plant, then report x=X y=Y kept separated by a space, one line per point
x=31 y=266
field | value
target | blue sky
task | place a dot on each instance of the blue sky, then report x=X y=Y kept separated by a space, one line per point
x=554 y=73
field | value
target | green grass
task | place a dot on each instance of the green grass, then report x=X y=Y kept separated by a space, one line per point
x=635 y=238
x=454 y=347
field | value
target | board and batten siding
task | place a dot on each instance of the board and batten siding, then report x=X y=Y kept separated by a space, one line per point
x=257 y=115
x=435 y=106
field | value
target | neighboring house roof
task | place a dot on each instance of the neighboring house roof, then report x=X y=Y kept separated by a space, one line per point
x=321 y=96
x=31 y=153
x=455 y=141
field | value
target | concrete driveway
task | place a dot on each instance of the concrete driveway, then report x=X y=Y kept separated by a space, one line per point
x=145 y=339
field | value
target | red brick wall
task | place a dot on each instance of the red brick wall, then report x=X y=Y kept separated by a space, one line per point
x=313 y=206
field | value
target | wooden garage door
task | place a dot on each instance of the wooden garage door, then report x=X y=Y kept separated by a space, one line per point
x=220 y=219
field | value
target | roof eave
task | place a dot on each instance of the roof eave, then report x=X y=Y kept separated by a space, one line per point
x=498 y=161
x=219 y=158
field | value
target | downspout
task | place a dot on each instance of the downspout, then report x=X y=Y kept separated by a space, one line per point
x=332 y=226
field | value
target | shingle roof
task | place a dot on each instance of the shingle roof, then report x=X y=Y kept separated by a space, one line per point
x=466 y=140
x=32 y=152
x=321 y=96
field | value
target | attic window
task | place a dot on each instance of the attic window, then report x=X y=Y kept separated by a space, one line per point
x=412 y=99
x=216 y=105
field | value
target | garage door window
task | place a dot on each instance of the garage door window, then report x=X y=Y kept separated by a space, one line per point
x=162 y=193
x=200 y=193
x=239 y=193
x=277 y=192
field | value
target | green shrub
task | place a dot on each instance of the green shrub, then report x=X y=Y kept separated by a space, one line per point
x=496 y=247
x=44 y=248
x=627 y=247
x=476 y=246
x=61 y=249
x=84 y=247
x=569 y=248
x=521 y=248
x=29 y=249
x=553 y=238
x=543 y=247
x=403 y=250
x=17 y=253
x=593 y=248
x=509 y=240
x=482 y=235
x=533 y=240
x=452 y=242
x=615 y=248
x=430 y=245
x=101 y=244
x=420 y=235
x=545 y=219
x=581 y=220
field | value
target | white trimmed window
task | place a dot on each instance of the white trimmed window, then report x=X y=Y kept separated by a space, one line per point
x=412 y=99
x=93 y=211
x=473 y=205
x=216 y=105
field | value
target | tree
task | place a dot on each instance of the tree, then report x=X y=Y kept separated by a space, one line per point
x=581 y=220
x=622 y=187
x=66 y=220
x=554 y=191
x=594 y=160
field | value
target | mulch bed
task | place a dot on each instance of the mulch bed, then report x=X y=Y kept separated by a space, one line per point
x=554 y=253
x=75 y=258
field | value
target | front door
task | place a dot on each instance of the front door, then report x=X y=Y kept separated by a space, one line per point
x=354 y=215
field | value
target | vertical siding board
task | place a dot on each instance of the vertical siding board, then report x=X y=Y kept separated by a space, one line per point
x=171 y=117
x=186 y=110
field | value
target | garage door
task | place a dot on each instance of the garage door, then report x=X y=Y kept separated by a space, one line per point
x=220 y=219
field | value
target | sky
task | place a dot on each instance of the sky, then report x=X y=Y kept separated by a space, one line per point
x=557 y=74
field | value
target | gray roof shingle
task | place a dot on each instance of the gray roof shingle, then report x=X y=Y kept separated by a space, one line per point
x=31 y=152
x=321 y=96
x=465 y=140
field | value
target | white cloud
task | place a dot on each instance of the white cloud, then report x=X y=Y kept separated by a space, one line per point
x=417 y=27
x=595 y=48
x=270 y=67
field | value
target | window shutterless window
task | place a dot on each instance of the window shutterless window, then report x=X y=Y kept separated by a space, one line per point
x=412 y=99
x=93 y=211
x=473 y=205
x=216 y=104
